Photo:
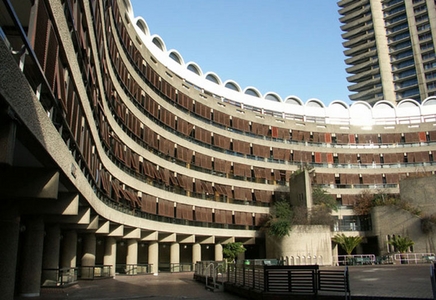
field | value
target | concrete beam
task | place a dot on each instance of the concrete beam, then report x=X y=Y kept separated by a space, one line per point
x=134 y=233
x=247 y=241
x=117 y=231
x=205 y=239
x=104 y=228
x=93 y=224
x=167 y=237
x=67 y=204
x=225 y=240
x=27 y=183
x=83 y=217
x=182 y=238
x=148 y=236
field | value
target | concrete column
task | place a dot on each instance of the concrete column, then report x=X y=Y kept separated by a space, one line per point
x=69 y=250
x=153 y=256
x=132 y=256
x=218 y=252
x=175 y=256
x=88 y=257
x=196 y=253
x=8 y=131
x=31 y=258
x=50 y=258
x=110 y=254
x=9 y=231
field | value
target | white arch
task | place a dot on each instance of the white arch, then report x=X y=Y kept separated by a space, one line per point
x=430 y=101
x=338 y=110
x=142 y=26
x=408 y=108
x=252 y=91
x=128 y=6
x=294 y=100
x=194 y=68
x=230 y=84
x=384 y=110
x=211 y=76
x=315 y=103
x=361 y=113
x=272 y=96
x=158 y=42
x=175 y=55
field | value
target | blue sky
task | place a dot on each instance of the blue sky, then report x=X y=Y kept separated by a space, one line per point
x=289 y=47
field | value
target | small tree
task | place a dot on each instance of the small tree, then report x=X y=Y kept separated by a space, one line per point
x=348 y=243
x=279 y=223
x=400 y=243
x=231 y=250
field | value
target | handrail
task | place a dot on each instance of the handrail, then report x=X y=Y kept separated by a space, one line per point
x=414 y=257
x=354 y=259
x=93 y=272
x=133 y=269
x=58 y=277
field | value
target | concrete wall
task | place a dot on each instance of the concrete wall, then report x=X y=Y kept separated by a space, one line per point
x=421 y=192
x=389 y=220
x=303 y=244
x=300 y=191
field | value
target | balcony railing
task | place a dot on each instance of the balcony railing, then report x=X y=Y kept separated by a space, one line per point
x=94 y=272
x=58 y=277
x=134 y=269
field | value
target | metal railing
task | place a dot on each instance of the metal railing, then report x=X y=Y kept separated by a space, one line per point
x=355 y=259
x=414 y=258
x=58 y=277
x=181 y=267
x=201 y=267
x=279 y=279
x=94 y=272
x=133 y=269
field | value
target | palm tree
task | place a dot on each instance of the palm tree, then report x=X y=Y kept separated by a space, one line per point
x=348 y=243
x=400 y=243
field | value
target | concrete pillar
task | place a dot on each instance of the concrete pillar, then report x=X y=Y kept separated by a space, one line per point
x=153 y=256
x=69 y=250
x=50 y=258
x=110 y=254
x=8 y=131
x=31 y=258
x=9 y=231
x=196 y=253
x=175 y=257
x=218 y=252
x=132 y=256
x=88 y=257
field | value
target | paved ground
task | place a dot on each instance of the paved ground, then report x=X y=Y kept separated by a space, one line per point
x=411 y=281
x=393 y=281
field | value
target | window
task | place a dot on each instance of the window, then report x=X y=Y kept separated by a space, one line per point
x=423 y=27
x=431 y=86
x=430 y=65
x=424 y=36
x=422 y=18
x=428 y=56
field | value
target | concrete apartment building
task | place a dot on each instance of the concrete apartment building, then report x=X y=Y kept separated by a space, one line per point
x=114 y=152
x=390 y=48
